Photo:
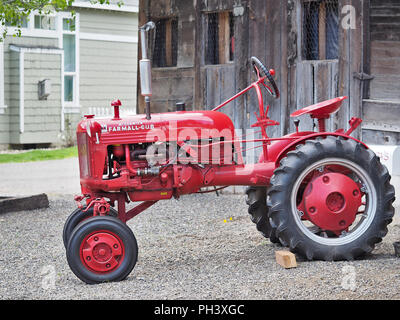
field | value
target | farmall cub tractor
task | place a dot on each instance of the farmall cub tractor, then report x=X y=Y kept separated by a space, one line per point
x=325 y=195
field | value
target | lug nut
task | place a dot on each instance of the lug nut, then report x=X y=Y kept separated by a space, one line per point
x=325 y=179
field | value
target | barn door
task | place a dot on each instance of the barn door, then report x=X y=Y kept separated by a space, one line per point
x=218 y=62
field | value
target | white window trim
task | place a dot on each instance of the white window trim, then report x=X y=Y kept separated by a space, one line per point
x=3 y=106
x=73 y=106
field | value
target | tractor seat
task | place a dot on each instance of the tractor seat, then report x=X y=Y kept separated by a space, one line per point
x=321 y=110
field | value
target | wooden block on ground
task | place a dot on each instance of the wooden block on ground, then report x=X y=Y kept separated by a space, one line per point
x=286 y=259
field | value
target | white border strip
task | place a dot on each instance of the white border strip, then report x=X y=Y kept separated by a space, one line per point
x=21 y=92
x=111 y=7
x=3 y=107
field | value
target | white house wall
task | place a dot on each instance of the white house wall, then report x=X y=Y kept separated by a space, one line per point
x=108 y=60
x=107 y=70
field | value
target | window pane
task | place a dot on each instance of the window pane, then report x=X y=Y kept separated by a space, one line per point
x=24 y=23
x=68 y=88
x=212 y=39
x=165 y=53
x=37 y=22
x=45 y=22
x=69 y=24
x=311 y=30
x=69 y=52
x=320 y=29
x=332 y=32
x=159 y=44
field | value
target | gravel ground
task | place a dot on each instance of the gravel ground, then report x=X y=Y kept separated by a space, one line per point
x=186 y=251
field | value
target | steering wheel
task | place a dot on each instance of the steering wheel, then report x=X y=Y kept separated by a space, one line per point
x=262 y=72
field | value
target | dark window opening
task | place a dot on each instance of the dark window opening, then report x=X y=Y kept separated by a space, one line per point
x=220 y=44
x=320 y=29
x=165 y=52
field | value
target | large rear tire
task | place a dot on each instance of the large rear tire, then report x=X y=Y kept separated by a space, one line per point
x=331 y=199
x=256 y=199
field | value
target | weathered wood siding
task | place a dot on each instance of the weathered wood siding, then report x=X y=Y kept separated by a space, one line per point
x=273 y=30
x=381 y=111
x=173 y=84
x=385 y=49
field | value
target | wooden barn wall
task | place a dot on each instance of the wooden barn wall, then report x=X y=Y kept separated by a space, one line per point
x=385 y=49
x=381 y=111
x=173 y=84
x=260 y=30
x=272 y=31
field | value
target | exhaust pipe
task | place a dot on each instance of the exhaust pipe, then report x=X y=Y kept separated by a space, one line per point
x=145 y=67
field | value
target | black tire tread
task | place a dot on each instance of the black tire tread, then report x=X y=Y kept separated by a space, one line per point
x=258 y=210
x=313 y=150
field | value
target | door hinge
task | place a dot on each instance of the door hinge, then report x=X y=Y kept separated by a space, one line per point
x=362 y=76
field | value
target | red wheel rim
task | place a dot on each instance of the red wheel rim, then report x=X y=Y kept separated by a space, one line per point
x=102 y=251
x=331 y=201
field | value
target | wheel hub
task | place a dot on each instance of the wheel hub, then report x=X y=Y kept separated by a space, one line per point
x=331 y=201
x=102 y=252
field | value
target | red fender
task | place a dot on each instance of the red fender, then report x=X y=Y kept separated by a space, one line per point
x=303 y=138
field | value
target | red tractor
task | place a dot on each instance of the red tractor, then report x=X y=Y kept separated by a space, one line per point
x=325 y=195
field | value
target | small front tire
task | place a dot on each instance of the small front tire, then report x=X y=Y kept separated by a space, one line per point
x=102 y=249
x=76 y=217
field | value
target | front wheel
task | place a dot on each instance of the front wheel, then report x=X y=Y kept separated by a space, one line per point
x=102 y=249
x=76 y=217
x=331 y=199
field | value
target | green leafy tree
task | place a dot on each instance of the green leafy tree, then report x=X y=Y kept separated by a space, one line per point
x=16 y=12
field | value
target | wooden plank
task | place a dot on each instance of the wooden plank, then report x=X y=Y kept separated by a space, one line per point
x=304 y=92
x=340 y=119
x=168 y=42
x=14 y=204
x=272 y=13
x=242 y=72
x=385 y=87
x=223 y=37
x=322 y=31
x=380 y=137
x=321 y=81
x=199 y=49
x=284 y=70
x=382 y=111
